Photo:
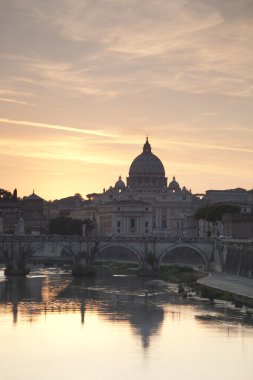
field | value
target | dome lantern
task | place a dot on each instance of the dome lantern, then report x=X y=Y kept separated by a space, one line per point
x=147 y=147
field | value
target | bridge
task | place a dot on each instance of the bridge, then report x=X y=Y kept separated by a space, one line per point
x=149 y=252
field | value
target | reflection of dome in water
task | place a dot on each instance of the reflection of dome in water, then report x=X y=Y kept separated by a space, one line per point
x=146 y=320
x=146 y=170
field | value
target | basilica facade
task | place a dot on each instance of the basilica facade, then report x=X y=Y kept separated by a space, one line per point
x=144 y=205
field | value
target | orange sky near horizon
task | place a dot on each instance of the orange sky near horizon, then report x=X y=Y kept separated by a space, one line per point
x=83 y=83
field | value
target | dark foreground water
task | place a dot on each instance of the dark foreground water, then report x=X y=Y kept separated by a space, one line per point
x=55 y=327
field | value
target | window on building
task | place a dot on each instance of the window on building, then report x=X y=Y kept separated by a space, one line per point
x=164 y=223
x=146 y=224
x=132 y=223
x=118 y=223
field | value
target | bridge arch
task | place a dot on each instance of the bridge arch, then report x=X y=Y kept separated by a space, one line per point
x=119 y=252
x=65 y=248
x=177 y=254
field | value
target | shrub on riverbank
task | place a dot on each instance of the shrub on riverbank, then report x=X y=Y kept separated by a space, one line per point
x=180 y=274
x=120 y=268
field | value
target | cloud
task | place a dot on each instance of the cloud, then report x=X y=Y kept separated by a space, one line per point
x=15 y=101
x=71 y=157
x=73 y=79
x=124 y=47
x=59 y=150
x=186 y=46
x=212 y=147
x=159 y=141
x=26 y=123
x=13 y=92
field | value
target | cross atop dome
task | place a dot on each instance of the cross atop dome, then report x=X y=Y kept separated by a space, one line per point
x=147 y=146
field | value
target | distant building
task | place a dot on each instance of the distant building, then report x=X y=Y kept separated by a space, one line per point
x=10 y=210
x=236 y=196
x=239 y=226
x=65 y=207
x=33 y=213
x=208 y=229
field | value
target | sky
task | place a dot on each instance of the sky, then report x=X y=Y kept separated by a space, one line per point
x=82 y=82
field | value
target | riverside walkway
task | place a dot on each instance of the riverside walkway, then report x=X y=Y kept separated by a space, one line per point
x=242 y=286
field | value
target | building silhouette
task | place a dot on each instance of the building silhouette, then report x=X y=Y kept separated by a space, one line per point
x=145 y=204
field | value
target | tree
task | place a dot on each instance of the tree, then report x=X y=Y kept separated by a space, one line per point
x=64 y=225
x=15 y=194
x=4 y=194
x=89 y=226
x=78 y=195
x=215 y=212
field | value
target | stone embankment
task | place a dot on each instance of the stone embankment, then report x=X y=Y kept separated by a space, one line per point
x=240 y=286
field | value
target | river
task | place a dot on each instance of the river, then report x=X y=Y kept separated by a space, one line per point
x=117 y=327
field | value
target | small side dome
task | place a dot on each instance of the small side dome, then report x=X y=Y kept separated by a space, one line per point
x=174 y=185
x=120 y=185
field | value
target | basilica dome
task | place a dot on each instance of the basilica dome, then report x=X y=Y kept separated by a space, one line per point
x=147 y=170
x=147 y=163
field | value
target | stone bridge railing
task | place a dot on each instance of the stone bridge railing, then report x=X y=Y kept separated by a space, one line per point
x=17 y=250
x=232 y=255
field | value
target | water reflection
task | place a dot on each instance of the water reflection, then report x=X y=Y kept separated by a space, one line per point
x=119 y=299
x=116 y=298
x=116 y=327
